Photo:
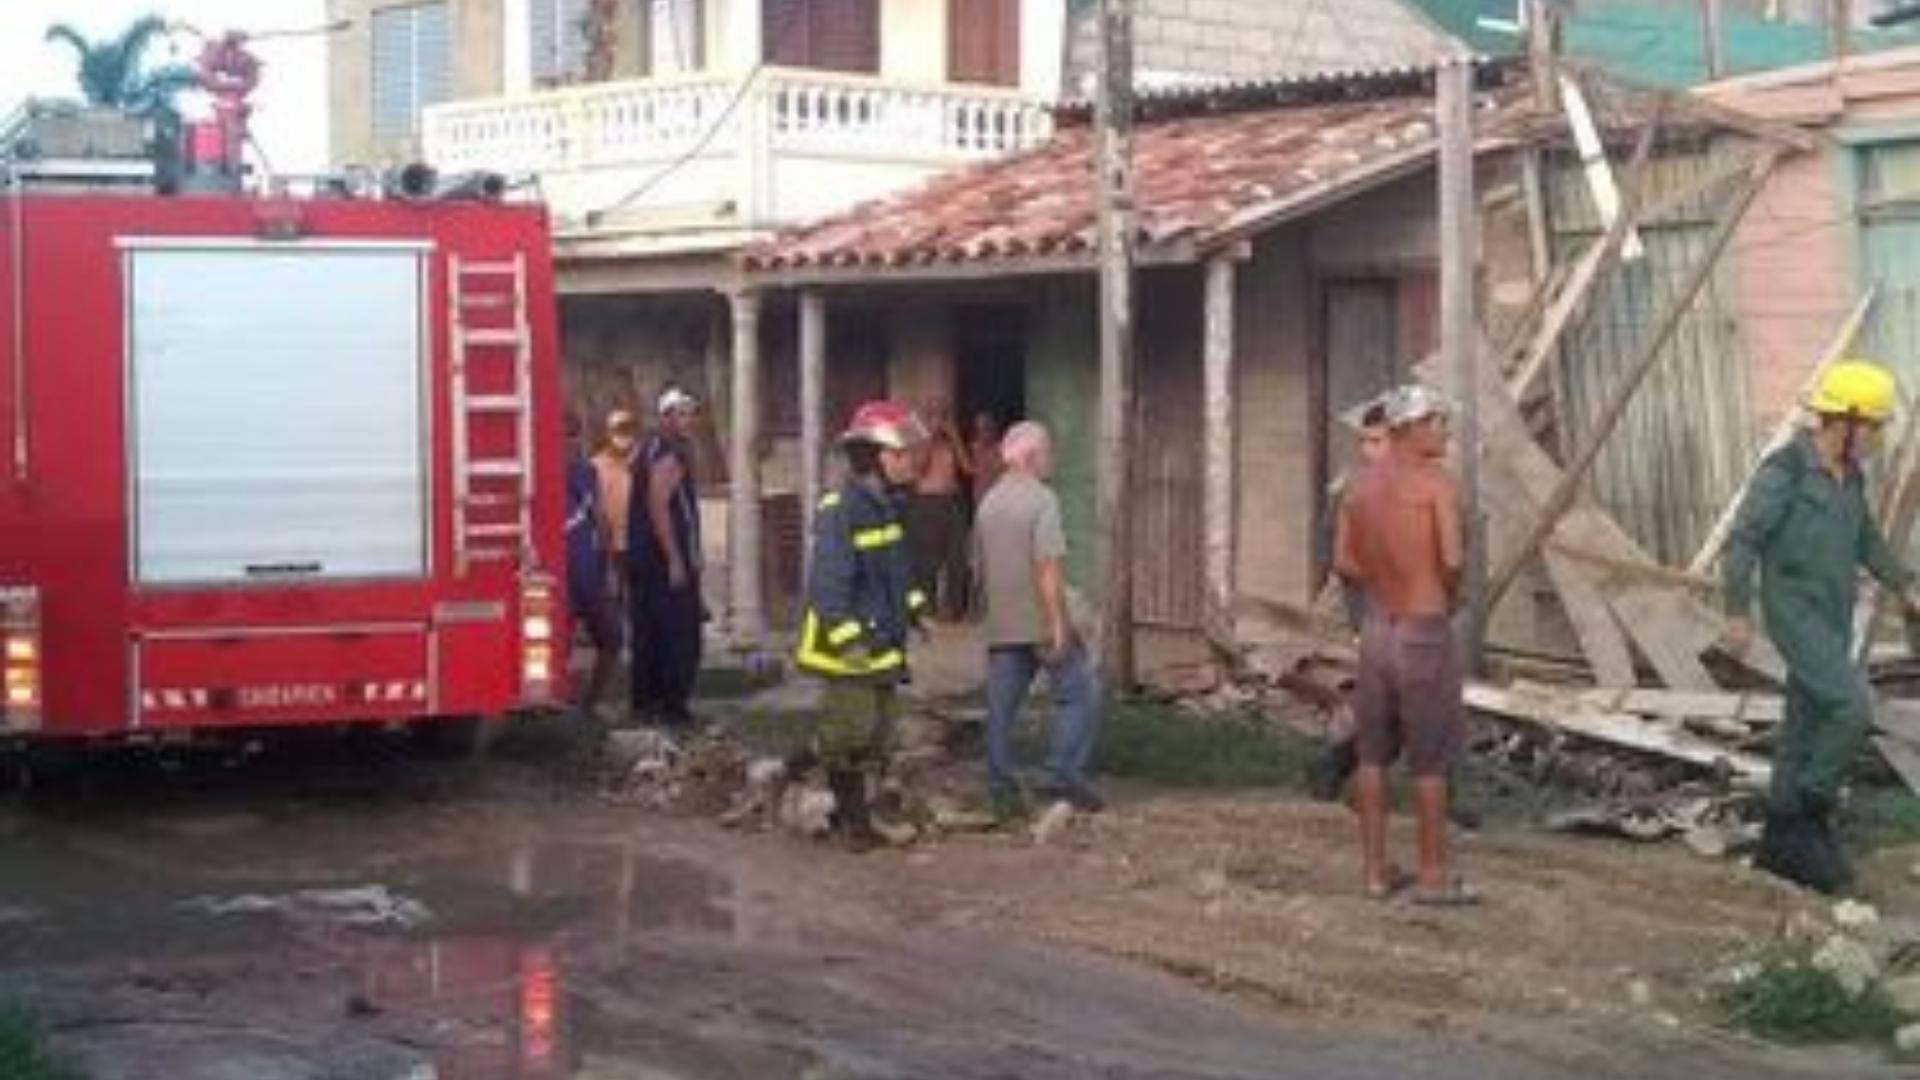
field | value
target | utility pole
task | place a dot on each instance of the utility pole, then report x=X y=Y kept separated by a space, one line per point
x=1459 y=332
x=1840 y=27
x=1543 y=46
x=1711 y=46
x=1114 y=190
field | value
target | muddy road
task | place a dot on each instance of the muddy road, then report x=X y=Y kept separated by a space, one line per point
x=359 y=912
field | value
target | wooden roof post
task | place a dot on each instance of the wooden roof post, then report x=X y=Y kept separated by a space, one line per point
x=746 y=611
x=813 y=376
x=1114 y=504
x=1217 y=502
x=1459 y=330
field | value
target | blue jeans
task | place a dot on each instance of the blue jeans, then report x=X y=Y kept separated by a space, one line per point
x=1076 y=713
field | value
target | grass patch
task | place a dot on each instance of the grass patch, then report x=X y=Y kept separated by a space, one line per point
x=24 y=1053
x=1880 y=816
x=1794 y=1002
x=1163 y=745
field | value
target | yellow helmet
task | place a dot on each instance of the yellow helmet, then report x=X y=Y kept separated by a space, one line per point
x=1858 y=388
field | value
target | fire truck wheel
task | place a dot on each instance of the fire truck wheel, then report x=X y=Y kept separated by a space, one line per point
x=457 y=737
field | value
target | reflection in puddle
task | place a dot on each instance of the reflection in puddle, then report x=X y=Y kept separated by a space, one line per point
x=495 y=1006
x=488 y=1009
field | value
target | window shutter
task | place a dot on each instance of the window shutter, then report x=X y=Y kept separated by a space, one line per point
x=432 y=55
x=983 y=42
x=557 y=33
x=412 y=66
x=831 y=35
x=392 y=72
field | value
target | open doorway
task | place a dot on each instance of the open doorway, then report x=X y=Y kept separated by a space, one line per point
x=990 y=354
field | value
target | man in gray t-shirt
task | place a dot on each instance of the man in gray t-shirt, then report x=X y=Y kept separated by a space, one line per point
x=1020 y=550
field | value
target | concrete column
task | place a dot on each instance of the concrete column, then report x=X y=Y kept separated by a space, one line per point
x=1217 y=507
x=516 y=76
x=813 y=379
x=740 y=44
x=746 y=611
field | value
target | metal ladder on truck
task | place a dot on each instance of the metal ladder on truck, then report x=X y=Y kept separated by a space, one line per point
x=492 y=347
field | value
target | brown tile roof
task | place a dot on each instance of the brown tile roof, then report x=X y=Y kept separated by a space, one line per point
x=1196 y=177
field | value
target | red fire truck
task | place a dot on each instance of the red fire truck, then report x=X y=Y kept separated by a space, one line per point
x=272 y=461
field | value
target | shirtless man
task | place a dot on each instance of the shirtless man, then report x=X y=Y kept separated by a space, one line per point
x=937 y=514
x=1400 y=540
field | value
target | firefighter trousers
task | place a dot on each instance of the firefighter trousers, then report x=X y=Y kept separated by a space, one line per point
x=1829 y=715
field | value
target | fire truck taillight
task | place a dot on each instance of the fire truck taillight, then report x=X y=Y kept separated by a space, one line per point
x=20 y=657
x=537 y=650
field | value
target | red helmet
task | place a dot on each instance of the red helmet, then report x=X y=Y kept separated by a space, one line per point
x=886 y=424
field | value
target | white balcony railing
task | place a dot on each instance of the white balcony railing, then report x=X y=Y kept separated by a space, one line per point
x=784 y=132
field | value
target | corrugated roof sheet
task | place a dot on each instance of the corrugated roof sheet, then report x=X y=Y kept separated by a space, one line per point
x=1194 y=175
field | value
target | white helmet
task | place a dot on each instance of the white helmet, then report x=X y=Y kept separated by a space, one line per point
x=1415 y=402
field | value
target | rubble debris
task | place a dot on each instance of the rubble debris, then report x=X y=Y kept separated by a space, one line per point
x=1663 y=737
x=1851 y=964
x=1052 y=823
x=1907 y=1039
x=807 y=811
x=1903 y=993
x=1855 y=915
x=949 y=816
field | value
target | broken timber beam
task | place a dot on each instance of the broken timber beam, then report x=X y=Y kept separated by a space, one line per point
x=1571 y=298
x=1570 y=302
x=1783 y=433
x=1586 y=528
x=1569 y=714
x=1563 y=496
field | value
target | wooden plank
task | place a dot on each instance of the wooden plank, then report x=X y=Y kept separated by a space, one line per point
x=1565 y=713
x=1571 y=300
x=1670 y=641
x=1898 y=717
x=1588 y=529
x=1601 y=640
x=1783 y=433
x=1567 y=490
x=1903 y=756
x=1754 y=710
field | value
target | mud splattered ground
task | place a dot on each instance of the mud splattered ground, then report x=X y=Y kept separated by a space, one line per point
x=349 y=912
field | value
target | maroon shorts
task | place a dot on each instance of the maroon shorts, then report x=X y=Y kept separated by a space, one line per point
x=1409 y=696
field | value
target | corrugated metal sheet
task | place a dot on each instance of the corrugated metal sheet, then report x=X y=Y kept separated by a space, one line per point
x=1683 y=448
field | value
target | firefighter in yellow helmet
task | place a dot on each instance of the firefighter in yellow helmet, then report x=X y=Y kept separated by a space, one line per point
x=1805 y=525
x=861 y=607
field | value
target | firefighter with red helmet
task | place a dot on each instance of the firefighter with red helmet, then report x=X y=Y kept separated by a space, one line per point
x=861 y=606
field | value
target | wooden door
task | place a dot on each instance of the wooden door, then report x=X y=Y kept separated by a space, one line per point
x=1359 y=360
x=983 y=42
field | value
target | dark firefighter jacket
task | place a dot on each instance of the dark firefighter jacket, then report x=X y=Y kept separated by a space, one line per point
x=861 y=603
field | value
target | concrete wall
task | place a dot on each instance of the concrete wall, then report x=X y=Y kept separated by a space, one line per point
x=479 y=64
x=913 y=40
x=1063 y=389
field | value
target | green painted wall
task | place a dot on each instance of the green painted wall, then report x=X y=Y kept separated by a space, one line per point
x=1063 y=389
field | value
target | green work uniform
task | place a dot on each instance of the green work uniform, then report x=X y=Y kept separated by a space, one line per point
x=1809 y=533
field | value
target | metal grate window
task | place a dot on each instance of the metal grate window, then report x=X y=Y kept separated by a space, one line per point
x=412 y=65
x=558 y=33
